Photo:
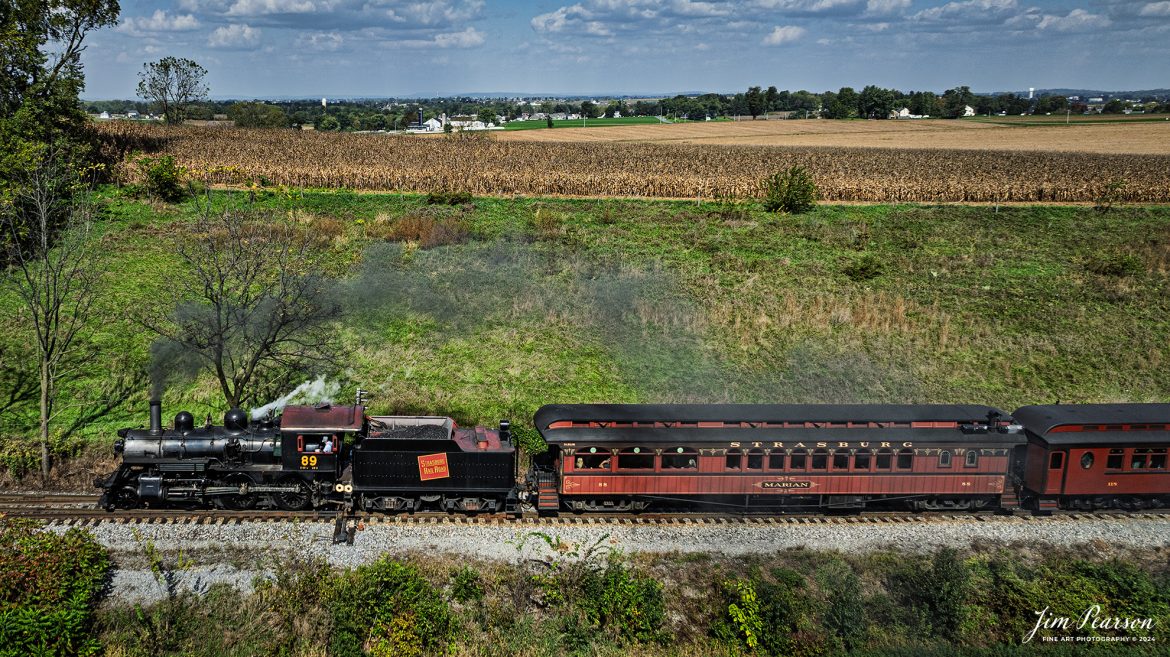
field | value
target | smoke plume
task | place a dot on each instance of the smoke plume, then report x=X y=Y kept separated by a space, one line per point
x=318 y=391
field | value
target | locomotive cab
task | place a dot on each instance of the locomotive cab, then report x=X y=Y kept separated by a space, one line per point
x=313 y=437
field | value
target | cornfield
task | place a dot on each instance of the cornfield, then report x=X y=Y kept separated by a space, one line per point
x=486 y=166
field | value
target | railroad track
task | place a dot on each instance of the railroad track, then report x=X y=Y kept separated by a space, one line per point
x=74 y=516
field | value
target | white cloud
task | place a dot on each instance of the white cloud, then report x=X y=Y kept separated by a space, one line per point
x=1156 y=9
x=783 y=34
x=556 y=21
x=706 y=9
x=807 y=6
x=264 y=7
x=321 y=41
x=969 y=10
x=1078 y=20
x=468 y=38
x=159 y=21
x=883 y=7
x=236 y=35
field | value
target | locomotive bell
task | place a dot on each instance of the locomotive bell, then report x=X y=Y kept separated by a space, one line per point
x=184 y=422
x=235 y=420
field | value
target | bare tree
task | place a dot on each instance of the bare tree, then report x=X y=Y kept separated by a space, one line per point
x=172 y=83
x=54 y=266
x=253 y=303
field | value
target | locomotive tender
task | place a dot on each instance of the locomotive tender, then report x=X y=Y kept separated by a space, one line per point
x=627 y=458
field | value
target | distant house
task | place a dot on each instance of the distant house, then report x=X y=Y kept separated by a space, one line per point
x=131 y=114
x=617 y=114
x=433 y=125
x=904 y=113
x=104 y=115
x=968 y=110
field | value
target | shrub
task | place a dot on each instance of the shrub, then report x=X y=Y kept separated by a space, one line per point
x=164 y=178
x=429 y=230
x=741 y=621
x=49 y=590
x=466 y=585
x=865 y=268
x=390 y=607
x=1109 y=195
x=845 y=614
x=792 y=191
x=448 y=198
x=630 y=606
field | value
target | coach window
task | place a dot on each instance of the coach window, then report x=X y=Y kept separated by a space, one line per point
x=755 y=459
x=1056 y=462
x=776 y=460
x=944 y=458
x=820 y=460
x=592 y=458
x=861 y=460
x=841 y=460
x=884 y=457
x=635 y=458
x=1087 y=460
x=680 y=458
x=1157 y=459
x=798 y=461
x=1115 y=459
x=905 y=459
x=1141 y=458
x=734 y=459
x=972 y=459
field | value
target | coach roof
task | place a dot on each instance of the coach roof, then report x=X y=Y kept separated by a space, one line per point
x=1077 y=424
x=771 y=413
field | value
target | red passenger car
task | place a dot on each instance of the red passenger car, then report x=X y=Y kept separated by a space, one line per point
x=1093 y=456
x=797 y=457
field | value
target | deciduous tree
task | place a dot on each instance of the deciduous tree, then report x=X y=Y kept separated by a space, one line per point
x=55 y=267
x=254 y=305
x=172 y=83
x=755 y=101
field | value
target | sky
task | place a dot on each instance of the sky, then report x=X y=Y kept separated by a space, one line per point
x=385 y=48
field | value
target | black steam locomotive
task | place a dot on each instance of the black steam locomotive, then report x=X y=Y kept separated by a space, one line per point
x=314 y=457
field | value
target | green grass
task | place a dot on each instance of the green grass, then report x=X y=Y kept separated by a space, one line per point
x=562 y=300
x=587 y=123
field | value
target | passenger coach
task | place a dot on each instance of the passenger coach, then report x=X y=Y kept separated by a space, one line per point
x=1095 y=456
x=629 y=457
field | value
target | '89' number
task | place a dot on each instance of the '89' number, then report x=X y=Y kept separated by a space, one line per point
x=308 y=461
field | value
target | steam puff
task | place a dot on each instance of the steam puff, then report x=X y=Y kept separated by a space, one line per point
x=309 y=392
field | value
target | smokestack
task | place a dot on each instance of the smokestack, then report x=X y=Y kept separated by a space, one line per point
x=155 y=416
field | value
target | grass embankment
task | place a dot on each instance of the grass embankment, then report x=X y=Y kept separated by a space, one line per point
x=637 y=301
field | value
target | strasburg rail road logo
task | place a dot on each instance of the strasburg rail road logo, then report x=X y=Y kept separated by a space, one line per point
x=1049 y=627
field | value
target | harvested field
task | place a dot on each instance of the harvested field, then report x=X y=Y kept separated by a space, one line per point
x=488 y=166
x=1112 y=137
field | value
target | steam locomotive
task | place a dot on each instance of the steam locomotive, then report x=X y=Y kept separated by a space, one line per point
x=629 y=458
